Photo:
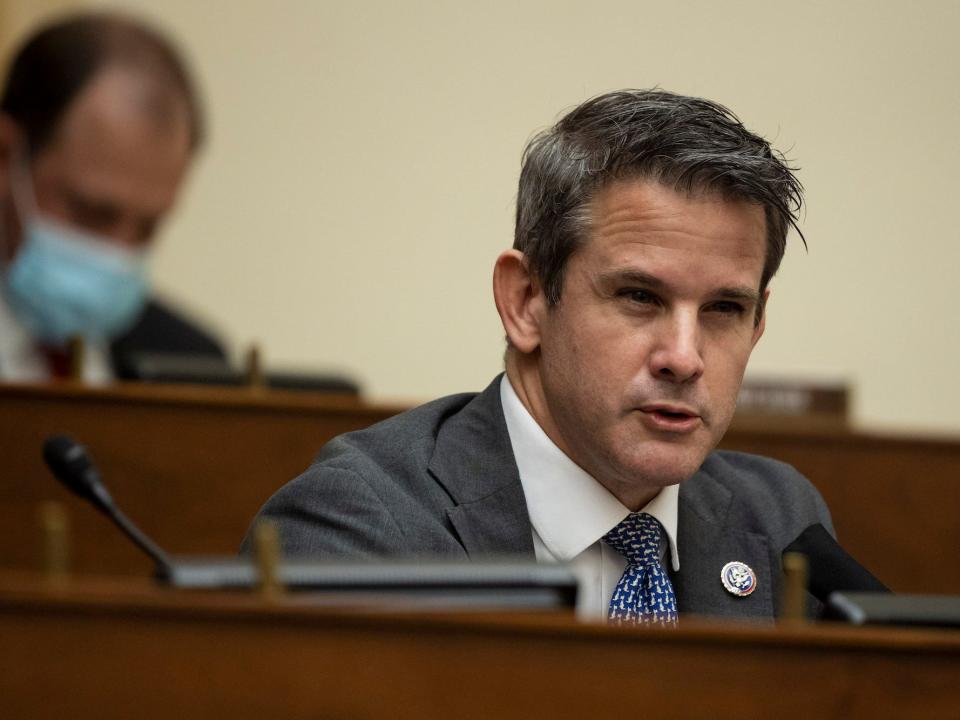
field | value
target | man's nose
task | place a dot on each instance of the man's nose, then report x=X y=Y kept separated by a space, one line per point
x=677 y=356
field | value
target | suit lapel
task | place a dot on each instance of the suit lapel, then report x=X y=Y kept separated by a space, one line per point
x=707 y=542
x=473 y=461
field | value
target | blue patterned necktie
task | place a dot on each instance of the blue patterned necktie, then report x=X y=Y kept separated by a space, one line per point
x=644 y=593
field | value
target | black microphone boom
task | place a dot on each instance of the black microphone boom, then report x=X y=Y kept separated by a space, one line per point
x=70 y=463
x=832 y=569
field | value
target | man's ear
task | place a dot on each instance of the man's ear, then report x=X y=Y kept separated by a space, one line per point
x=9 y=138
x=519 y=299
x=762 y=321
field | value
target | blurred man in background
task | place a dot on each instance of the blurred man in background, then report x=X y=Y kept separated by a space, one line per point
x=99 y=122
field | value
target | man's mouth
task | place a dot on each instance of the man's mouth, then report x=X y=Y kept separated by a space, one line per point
x=669 y=417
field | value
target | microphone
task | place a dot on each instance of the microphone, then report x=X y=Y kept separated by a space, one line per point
x=832 y=569
x=70 y=463
x=414 y=583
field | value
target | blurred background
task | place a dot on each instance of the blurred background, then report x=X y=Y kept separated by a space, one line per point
x=362 y=161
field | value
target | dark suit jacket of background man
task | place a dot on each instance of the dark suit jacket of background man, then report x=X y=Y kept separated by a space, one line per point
x=441 y=480
x=161 y=329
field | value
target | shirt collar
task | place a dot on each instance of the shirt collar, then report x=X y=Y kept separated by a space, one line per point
x=20 y=360
x=569 y=510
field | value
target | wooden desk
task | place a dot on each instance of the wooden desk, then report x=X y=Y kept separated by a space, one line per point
x=193 y=465
x=125 y=652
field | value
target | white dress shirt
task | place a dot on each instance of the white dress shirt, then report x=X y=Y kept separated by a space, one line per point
x=22 y=361
x=571 y=512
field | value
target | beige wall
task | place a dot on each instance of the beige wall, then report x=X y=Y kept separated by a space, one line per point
x=16 y=16
x=363 y=160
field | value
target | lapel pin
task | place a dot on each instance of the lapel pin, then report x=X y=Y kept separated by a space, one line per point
x=738 y=578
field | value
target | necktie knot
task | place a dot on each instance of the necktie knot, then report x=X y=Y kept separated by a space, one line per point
x=637 y=538
x=644 y=593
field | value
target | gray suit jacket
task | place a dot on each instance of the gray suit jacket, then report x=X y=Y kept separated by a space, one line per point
x=440 y=480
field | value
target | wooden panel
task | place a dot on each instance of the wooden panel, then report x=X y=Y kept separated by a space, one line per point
x=160 y=655
x=190 y=466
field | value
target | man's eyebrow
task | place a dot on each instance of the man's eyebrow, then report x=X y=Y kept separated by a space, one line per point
x=742 y=293
x=637 y=277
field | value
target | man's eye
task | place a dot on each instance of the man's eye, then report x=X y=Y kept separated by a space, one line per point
x=94 y=216
x=726 y=307
x=641 y=297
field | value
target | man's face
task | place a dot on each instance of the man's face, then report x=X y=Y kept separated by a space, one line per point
x=111 y=168
x=641 y=360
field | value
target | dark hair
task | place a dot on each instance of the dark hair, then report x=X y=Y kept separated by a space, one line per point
x=690 y=144
x=56 y=63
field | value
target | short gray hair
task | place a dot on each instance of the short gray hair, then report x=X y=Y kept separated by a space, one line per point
x=689 y=144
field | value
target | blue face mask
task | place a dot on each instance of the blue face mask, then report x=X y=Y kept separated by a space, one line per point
x=63 y=283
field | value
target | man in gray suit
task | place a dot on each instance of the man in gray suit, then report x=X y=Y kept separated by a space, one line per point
x=648 y=227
